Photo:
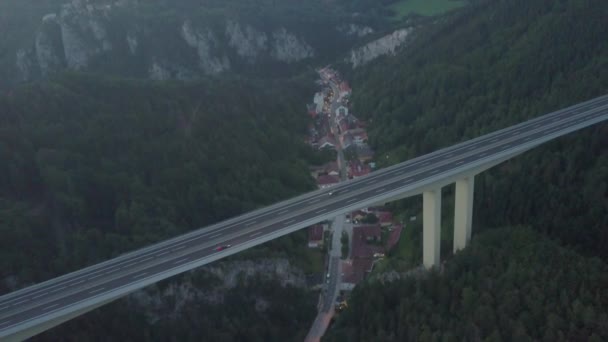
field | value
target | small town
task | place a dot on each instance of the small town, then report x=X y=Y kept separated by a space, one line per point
x=356 y=241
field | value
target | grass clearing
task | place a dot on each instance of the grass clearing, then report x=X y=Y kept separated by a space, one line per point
x=404 y=8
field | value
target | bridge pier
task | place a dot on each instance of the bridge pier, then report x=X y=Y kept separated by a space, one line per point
x=463 y=212
x=431 y=223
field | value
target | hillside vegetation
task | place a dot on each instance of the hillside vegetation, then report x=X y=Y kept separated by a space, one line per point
x=490 y=66
x=92 y=168
x=486 y=67
x=511 y=284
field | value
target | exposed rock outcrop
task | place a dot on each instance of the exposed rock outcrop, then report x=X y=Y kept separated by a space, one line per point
x=385 y=45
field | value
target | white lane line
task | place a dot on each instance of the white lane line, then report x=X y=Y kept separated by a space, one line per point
x=344 y=191
x=163 y=253
x=250 y=223
x=449 y=155
x=97 y=290
x=146 y=259
x=5 y=323
x=93 y=277
x=214 y=236
x=399 y=172
x=283 y=212
x=255 y=234
x=505 y=147
x=290 y=222
x=459 y=162
x=78 y=282
x=495 y=140
x=352 y=200
x=371 y=181
x=40 y=295
x=527 y=138
x=426 y=163
x=434 y=171
x=139 y=275
x=472 y=148
x=49 y=307
x=180 y=261
x=554 y=120
x=482 y=154
x=26 y=300
x=315 y=200
x=320 y=211
x=179 y=247
x=515 y=133
x=4 y=307
x=380 y=190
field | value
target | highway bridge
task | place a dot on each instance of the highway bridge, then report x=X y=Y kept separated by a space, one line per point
x=29 y=311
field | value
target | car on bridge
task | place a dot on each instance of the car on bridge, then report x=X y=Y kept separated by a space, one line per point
x=221 y=248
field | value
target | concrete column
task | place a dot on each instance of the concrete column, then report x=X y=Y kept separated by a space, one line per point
x=463 y=212
x=431 y=223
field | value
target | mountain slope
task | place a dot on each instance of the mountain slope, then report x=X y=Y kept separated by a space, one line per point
x=490 y=66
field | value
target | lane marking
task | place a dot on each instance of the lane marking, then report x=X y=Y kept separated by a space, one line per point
x=290 y=221
x=5 y=323
x=505 y=147
x=255 y=234
x=471 y=148
x=250 y=223
x=40 y=295
x=282 y=212
x=409 y=180
x=320 y=210
x=163 y=253
x=536 y=126
x=495 y=140
x=93 y=277
x=399 y=172
x=515 y=133
x=315 y=200
x=78 y=282
x=49 y=307
x=98 y=290
x=179 y=247
x=139 y=275
x=434 y=171
x=426 y=163
x=459 y=162
x=449 y=155
x=380 y=190
x=371 y=181
x=4 y=307
x=214 y=236
x=527 y=138
x=180 y=261
x=352 y=200
x=482 y=154
x=345 y=191
x=146 y=259
x=25 y=300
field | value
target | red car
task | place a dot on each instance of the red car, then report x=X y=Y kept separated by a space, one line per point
x=221 y=248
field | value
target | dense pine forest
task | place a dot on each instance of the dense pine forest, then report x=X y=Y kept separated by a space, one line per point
x=94 y=167
x=486 y=67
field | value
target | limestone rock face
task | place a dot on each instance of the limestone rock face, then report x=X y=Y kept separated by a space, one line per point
x=385 y=45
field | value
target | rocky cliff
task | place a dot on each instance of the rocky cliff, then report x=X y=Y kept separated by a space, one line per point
x=122 y=38
x=382 y=46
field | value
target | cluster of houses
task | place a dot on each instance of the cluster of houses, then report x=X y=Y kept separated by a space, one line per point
x=374 y=232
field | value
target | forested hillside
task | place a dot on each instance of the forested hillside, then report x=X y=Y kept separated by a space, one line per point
x=511 y=284
x=94 y=167
x=490 y=66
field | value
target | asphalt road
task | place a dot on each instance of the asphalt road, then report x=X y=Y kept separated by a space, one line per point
x=43 y=299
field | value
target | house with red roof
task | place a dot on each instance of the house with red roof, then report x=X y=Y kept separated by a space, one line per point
x=327 y=142
x=315 y=236
x=385 y=218
x=325 y=181
x=357 y=169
